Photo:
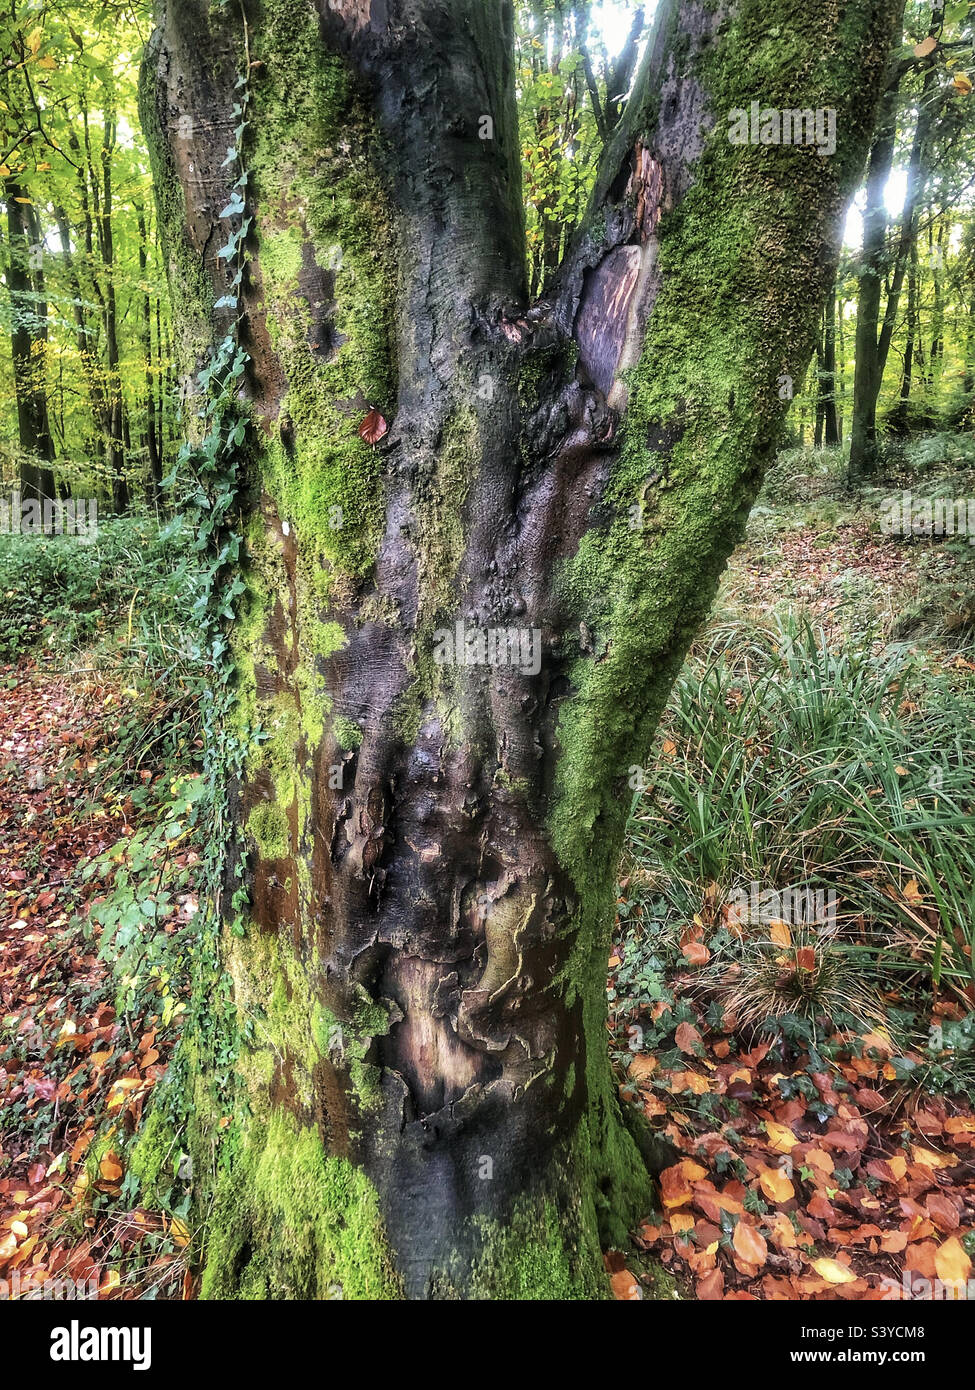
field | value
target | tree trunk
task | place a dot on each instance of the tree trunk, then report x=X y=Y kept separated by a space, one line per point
x=831 y=428
x=432 y=837
x=114 y=400
x=28 y=343
x=899 y=420
x=873 y=336
x=841 y=369
x=867 y=368
x=150 y=436
x=820 y=389
x=936 y=355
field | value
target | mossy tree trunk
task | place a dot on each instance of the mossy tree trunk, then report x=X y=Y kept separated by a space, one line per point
x=431 y=845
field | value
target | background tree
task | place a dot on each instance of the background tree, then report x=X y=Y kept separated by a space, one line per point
x=427 y=849
x=85 y=297
x=929 y=121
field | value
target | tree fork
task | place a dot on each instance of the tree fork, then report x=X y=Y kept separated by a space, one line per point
x=430 y=846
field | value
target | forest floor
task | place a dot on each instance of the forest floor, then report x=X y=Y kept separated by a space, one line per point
x=72 y=1069
x=841 y=1168
x=838 y=1166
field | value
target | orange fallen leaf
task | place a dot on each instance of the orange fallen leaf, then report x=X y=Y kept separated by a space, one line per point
x=952 y=1263
x=642 y=1066
x=781 y=1139
x=929 y=1159
x=624 y=1286
x=780 y=933
x=696 y=953
x=749 y=1244
x=687 y=1037
x=110 y=1168
x=776 y=1185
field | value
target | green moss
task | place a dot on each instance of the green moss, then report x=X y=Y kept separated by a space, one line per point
x=440 y=508
x=541 y=1254
x=268 y=823
x=347 y=733
x=737 y=308
x=155 y=1153
x=289 y=1220
x=295 y=1223
x=281 y=257
x=323 y=231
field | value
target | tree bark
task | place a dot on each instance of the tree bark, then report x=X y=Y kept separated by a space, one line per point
x=28 y=343
x=429 y=846
x=150 y=435
x=867 y=367
x=831 y=428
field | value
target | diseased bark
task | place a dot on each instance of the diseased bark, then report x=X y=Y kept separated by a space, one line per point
x=427 y=1107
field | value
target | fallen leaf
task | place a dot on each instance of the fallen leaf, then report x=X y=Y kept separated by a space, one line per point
x=625 y=1286
x=776 y=1185
x=833 y=1272
x=781 y=1139
x=952 y=1263
x=749 y=1244
x=373 y=427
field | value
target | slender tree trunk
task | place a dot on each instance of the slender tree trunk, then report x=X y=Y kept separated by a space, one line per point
x=426 y=1102
x=820 y=388
x=841 y=369
x=899 y=417
x=874 y=336
x=149 y=437
x=115 y=402
x=936 y=355
x=831 y=429
x=28 y=343
x=968 y=380
x=87 y=351
x=867 y=369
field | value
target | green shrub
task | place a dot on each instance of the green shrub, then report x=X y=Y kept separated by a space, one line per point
x=65 y=592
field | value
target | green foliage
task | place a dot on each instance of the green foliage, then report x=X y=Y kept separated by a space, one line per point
x=61 y=593
x=142 y=882
x=96 y=305
x=789 y=765
x=560 y=138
